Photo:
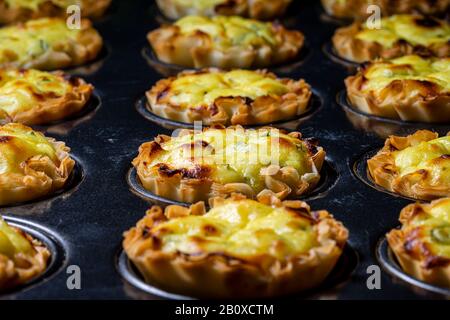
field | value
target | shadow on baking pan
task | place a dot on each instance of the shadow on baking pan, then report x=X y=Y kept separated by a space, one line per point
x=42 y=204
x=390 y=264
x=328 y=178
x=168 y=69
x=92 y=66
x=330 y=52
x=51 y=241
x=137 y=288
x=315 y=104
x=384 y=127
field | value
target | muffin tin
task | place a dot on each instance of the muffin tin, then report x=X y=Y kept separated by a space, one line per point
x=84 y=224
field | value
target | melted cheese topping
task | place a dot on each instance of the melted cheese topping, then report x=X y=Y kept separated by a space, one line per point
x=22 y=90
x=19 y=143
x=235 y=155
x=381 y=74
x=413 y=29
x=34 y=4
x=199 y=4
x=21 y=43
x=230 y=31
x=12 y=242
x=194 y=90
x=239 y=228
x=436 y=225
x=430 y=155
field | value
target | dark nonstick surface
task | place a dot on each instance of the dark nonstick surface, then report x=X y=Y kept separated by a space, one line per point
x=88 y=220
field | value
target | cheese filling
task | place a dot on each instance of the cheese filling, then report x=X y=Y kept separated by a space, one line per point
x=199 y=4
x=34 y=4
x=196 y=90
x=242 y=229
x=413 y=29
x=12 y=242
x=226 y=32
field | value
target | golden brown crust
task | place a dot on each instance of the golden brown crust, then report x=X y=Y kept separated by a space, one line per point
x=418 y=184
x=196 y=184
x=255 y=9
x=402 y=99
x=90 y=9
x=351 y=48
x=197 y=50
x=357 y=9
x=235 y=110
x=24 y=267
x=412 y=251
x=51 y=107
x=222 y=276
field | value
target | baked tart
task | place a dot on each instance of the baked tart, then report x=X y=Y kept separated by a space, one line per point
x=31 y=165
x=399 y=35
x=358 y=9
x=229 y=97
x=422 y=245
x=240 y=248
x=35 y=97
x=416 y=166
x=255 y=9
x=197 y=165
x=48 y=44
x=22 y=258
x=23 y=10
x=225 y=42
x=409 y=88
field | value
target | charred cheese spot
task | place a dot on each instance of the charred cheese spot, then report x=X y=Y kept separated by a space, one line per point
x=202 y=89
x=226 y=32
x=240 y=229
x=410 y=28
x=20 y=143
x=12 y=241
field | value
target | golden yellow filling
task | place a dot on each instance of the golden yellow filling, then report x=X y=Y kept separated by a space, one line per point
x=12 y=242
x=436 y=225
x=412 y=67
x=235 y=155
x=19 y=143
x=22 y=90
x=203 y=89
x=239 y=228
x=413 y=29
x=226 y=32
x=34 y=4
x=33 y=39
x=199 y=4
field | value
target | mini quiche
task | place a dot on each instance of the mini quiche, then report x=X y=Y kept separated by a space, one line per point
x=240 y=248
x=48 y=44
x=35 y=97
x=409 y=88
x=22 y=258
x=225 y=42
x=229 y=97
x=358 y=9
x=31 y=165
x=23 y=10
x=422 y=245
x=416 y=166
x=399 y=35
x=255 y=9
x=197 y=165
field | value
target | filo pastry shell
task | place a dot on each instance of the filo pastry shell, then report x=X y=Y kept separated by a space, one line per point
x=255 y=9
x=32 y=165
x=410 y=88
x=358 y=9
x=422 y=244
x=35 y=97
x=22 y=258
x=48 y=44
x=225 y=42
x=240 y=248
x=416 y=166
x=399 y=35
x=229 y=98
x=195 y=166
x=18 y=11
